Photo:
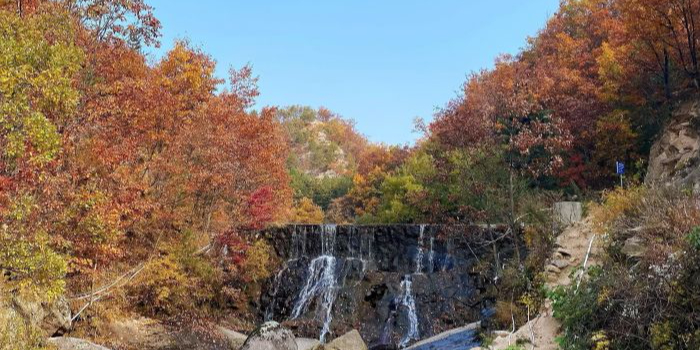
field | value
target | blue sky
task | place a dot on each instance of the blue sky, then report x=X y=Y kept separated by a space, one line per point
x=379 y=62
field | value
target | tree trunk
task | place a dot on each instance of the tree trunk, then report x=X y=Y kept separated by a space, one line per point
x=512 y=223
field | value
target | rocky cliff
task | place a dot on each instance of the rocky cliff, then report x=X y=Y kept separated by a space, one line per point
x=675 y=156
x=396 y=284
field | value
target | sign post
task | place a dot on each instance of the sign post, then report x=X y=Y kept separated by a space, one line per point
x=620 y=170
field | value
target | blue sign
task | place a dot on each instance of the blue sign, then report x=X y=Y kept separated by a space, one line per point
x=620 y=168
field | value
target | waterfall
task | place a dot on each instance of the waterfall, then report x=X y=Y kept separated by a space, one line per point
x=431 y=256
x=321 y=282
x=419 y=255
x=409 y=301
x=328 y=234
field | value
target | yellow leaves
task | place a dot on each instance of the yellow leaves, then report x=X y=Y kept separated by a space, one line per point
x=257 y=261
x=604 y=295
x=31 y=266
x=662 y=336
x=307 y=212
x=600 y=341
x=188 y=72
x=38 y=86
x=616 y=204
x=610 y=72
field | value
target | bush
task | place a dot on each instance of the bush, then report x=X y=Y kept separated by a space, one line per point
x=15 y=334
x=645 y=302
x=180 y=282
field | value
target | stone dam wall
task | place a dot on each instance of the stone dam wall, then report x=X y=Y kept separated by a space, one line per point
x=396 y=284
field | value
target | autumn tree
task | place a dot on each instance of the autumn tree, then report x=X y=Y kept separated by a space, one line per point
x=36 y=93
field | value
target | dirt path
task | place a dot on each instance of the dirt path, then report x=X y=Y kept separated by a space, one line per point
x=570 y=252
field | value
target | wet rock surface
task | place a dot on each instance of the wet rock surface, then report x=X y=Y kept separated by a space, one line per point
x=395 y=284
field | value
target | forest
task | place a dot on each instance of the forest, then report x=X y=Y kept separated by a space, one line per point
x=151 y=178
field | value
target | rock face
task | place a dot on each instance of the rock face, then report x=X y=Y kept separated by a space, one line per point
x=52 y=318
x=270 y=336
x=74 y=344
x=395 y=284
x=675 y=156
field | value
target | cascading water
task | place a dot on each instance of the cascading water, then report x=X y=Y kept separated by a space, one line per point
x=431 y=256
x=409 y=301
x=342 y=277
x=419 y=254
x=328 y=234
x=321 y=282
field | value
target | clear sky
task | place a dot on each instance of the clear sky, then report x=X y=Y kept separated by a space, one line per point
x=379 y=62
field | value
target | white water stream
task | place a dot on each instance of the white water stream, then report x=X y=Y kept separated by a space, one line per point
x=408 y=301
x=321 y=282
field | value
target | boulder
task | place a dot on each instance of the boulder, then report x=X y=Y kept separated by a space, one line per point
x=567 y=213
x=454 y=339
x=74 y=344
x=308 y=344
x=270 y=336
x=235 y=340
x=53 y=318
x=349 y=341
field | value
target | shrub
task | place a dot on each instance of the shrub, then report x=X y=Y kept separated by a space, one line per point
x=646 y=302
x=15 y=334
x=180 y=282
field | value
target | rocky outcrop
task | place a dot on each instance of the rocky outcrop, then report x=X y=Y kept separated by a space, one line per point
x=53 y=318
x=349 y=341
x=395 y=284
x=67 y=343
x=675 y=156
x=270 y=336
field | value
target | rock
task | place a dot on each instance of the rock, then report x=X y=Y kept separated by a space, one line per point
x=563 y=252
x=634 y=247
x=454 y=339
x=349 y=341
x=567 y=213
x=560 y=264
x=501 y=334
x=675 y=155
x=235 y=339
x=52 y=318
x=552 y=269
x=308 y=344
x=74 y=344
x=270 y=336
